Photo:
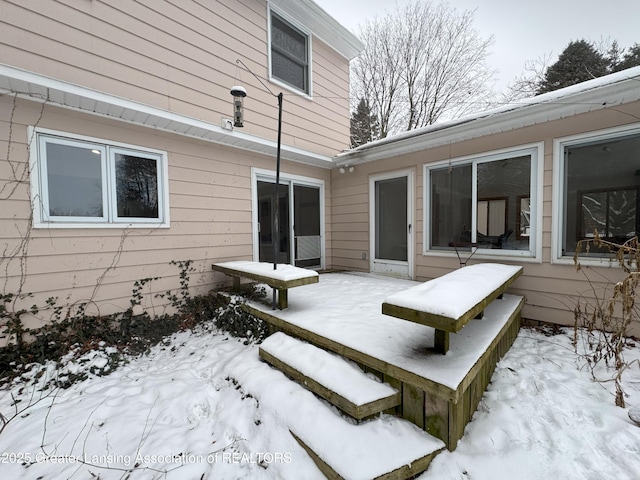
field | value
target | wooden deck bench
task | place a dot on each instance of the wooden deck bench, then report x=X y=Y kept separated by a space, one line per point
x=282 y=279
x=449 y=302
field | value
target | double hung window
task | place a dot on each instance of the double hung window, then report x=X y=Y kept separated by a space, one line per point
x=289 y=54
x=84 y=181
x=483 y=203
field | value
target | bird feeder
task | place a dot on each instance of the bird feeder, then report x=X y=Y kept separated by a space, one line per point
x=238 y=105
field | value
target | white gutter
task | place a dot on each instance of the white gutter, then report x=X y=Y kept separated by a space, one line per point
x=40 y=88
x=597 y=94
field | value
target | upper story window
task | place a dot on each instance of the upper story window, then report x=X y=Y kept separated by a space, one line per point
x=598 y=188
x=289 y=54
x=86 y=182
x=484 y=204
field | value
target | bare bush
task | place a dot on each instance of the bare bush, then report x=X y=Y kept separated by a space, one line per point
x=605 y=319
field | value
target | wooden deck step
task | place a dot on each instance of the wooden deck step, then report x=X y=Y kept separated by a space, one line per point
x=331 y=377
x=387 y=448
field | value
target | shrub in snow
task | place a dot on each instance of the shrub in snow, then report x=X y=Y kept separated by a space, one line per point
x=609 y=313
x=234 y=318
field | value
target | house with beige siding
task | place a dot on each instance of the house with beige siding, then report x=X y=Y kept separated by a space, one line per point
x=521 y=184
x=118 y=155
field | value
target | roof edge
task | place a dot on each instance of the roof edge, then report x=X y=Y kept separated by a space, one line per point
x=323 y=26
x=36 y=87
x=596 y=94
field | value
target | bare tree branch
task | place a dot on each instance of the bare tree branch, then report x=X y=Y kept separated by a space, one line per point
x=423 y=63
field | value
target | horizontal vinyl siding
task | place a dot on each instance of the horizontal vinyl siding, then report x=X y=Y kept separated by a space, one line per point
x=180 y=56
x=210 y=209
x=551 y=290
x=350 y=219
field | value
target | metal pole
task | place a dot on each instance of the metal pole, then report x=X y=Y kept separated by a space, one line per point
x=276 y=213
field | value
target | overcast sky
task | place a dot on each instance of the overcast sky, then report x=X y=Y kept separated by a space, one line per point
x=522 y=30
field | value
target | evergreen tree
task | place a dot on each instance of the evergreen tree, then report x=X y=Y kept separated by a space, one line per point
x=364 y=125
x=630 y=59
x=579 y=62
x=614 y=56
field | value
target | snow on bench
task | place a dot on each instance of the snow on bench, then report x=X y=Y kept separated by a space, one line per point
x=284 y=277
x=449 y=302
x=329 y=376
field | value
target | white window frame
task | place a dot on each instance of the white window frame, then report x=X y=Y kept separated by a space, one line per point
x=558 y=212
x=297 y=26
x=39 y=137
x=534 y=253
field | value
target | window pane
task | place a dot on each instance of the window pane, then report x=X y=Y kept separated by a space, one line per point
x=136 y=186
x=501 y=186
x=391 y=219
x=594 y=213
x=288 y=71
x=288 y=39
x=450 y=206
x=289 y=60
x=74 y=181
x=306 y=211
x=602 y=180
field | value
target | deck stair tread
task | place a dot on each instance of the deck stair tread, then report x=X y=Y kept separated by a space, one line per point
x=386 y=447
x=328 y=375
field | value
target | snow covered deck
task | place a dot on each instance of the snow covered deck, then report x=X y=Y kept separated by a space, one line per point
x=342 y=313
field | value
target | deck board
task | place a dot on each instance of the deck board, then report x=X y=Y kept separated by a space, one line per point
x=353 y=325
x=440 y=393
x=329 y=376
x=337 y=456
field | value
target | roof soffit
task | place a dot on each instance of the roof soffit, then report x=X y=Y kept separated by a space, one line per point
x=36 y=87
x=322 y=25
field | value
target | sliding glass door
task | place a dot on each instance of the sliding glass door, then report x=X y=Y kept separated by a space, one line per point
x=266 y=212
x=300 y=226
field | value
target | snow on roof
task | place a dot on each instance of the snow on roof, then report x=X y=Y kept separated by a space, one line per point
x=602 y=92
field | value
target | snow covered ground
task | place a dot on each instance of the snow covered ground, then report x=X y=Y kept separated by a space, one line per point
x=204 y=407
